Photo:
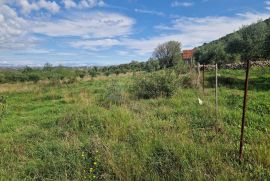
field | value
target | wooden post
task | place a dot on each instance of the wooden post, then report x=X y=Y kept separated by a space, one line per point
x=190 y=65
x=244 y=113
x=199 y=75
x=216 y=93
x=203 y=78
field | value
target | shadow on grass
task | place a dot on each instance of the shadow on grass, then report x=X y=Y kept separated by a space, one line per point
x=258 y=83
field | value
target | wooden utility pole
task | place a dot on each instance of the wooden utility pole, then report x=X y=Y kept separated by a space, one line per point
x=216 y=93
x=244 y=113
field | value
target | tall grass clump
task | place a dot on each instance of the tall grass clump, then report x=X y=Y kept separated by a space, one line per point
x=189 y=80
x=113 y=95
x=157 y=84
x=2 y=107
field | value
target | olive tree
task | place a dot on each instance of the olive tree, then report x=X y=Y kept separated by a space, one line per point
x=168 y=54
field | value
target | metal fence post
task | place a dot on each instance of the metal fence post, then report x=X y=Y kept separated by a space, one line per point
x=244 y=113
x=216 y=93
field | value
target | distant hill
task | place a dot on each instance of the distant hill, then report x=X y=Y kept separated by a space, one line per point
x=250 y=42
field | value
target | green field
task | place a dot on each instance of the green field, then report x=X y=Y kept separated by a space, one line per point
x=95 y=129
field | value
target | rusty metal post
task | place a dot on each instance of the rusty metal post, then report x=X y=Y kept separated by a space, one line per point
x=244 y=112
x=216 y=93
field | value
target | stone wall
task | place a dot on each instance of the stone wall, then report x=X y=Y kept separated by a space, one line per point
x=236 y=66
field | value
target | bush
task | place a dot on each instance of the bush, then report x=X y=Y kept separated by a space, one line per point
x=93 y=73
x=34 y=77
x=113 y=96
x=157 y=84
x=55 y=76
x=189 y=80
x=81 y=73
x=181 y=68
x=15 y=77
x=2 y=78
x=107 y=73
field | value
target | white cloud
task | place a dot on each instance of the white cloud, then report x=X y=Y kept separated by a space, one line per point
x=99 y=31
x=181 y=4
x=95 y=45
x=51 y=6
x=27 y=7
x=83 y=4
x=149 y=12
x=267 y=5
x=13 y=30
x=69 y=4
x=90 y=3
x=192 y=32
x=89 y=25
x=123 y=53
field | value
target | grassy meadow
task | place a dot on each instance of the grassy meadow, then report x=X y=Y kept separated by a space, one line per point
x=96 y=129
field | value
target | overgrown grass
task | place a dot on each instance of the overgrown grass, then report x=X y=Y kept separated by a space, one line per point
x=80 y=131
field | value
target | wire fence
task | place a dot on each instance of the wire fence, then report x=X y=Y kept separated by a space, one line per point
x=218 y=80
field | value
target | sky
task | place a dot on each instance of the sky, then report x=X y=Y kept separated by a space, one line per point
x=110 y=32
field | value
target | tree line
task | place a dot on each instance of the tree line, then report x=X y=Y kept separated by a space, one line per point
x=250 y=42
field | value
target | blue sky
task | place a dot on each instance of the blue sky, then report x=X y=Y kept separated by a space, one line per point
x=106 y=32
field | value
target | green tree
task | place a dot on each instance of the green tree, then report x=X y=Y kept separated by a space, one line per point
x=47 y=67
x=211 y=54
x=266 y=47
x=168 y=54
x=27 y=69
x=249 y=42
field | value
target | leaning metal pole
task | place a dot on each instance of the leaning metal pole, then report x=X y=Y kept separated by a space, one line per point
x=216 y=94
x=244 y=113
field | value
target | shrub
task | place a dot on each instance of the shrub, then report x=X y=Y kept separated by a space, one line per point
x=156 y=84
x=34 y=77
x=189 y=80
x=117 y=72
x=92 y=72
x=81 y=73
x=181 y=68
x=107 y=73
x=113 y=96
x=15 y=77
x=55 y=76
x=2 y=78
